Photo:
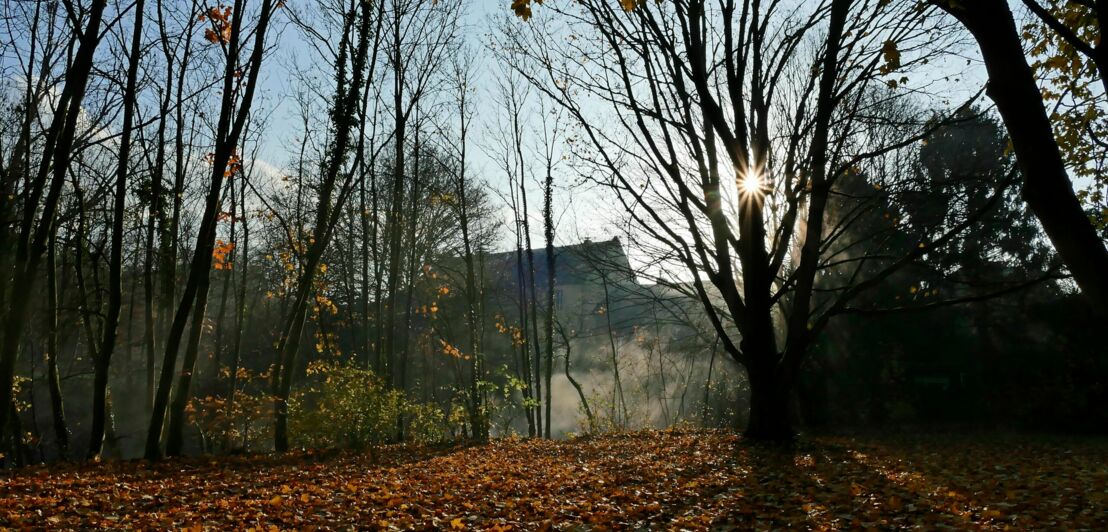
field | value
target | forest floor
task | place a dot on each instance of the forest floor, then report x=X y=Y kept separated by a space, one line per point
x=654 y=479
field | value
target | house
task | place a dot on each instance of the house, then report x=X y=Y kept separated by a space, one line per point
x=590 y=279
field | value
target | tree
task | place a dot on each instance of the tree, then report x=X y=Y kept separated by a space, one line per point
x=115 y=276
x=1067 y=58
x=34 y=239
x=739 y=134
x=513 y=96
x=359 y=45
x=420 y=36
x=551 y=133
x=1047 y=188
x=863 y=372
x=463 y=74
x=227 y=29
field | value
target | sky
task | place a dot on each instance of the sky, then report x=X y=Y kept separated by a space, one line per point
x=582 y=212
x=576 y=210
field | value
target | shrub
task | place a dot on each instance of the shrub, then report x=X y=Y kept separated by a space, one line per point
x=349 y=407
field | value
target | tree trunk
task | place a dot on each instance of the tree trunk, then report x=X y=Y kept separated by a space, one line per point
x=225 y=290
x=149 y=331
x=57 y=406
x=413 y=271
x=284 y=379
x=478 y=421
x=393 y=222
x=589 y=417
x=524 y=349
x=363 y=298
x=529 y=290
x=115 y=275
x=548 y=234
x=174 y=440
x=32 y=242
x=232 y=119
x=769 y=407
x=617 y=397
x=240 y=307
x=1047 y=188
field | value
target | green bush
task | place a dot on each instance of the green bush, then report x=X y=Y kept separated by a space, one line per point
x=426 y=423
x=350 y=407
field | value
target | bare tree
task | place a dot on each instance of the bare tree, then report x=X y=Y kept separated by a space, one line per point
x=34 y=239
x=463 y=79
x=360 y=43
x=115 y=276
x=234 y=112
x=727 y=129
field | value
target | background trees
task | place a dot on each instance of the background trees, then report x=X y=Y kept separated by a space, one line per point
x=746 y=123
x=1047 y=188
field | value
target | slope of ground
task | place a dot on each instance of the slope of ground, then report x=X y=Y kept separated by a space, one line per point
x=667 y=479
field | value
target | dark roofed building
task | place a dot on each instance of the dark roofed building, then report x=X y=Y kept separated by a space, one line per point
x=581 y=272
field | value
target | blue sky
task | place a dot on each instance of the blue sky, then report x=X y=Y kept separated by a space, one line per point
x=578 y=215
x=583 y=211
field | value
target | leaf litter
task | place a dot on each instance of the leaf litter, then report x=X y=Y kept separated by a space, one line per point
x=671 y=479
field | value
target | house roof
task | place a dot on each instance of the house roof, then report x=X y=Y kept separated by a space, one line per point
x=574 y=264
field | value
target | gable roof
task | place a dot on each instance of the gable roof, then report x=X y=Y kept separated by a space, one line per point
x=573 y=264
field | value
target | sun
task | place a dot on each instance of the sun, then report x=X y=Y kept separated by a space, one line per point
x=752 y=184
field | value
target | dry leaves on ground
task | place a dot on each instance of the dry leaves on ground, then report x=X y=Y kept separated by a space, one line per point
x=656 y=479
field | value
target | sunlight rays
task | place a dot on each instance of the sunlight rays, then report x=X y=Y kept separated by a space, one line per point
x=752 y=183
